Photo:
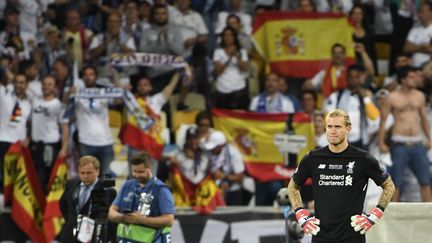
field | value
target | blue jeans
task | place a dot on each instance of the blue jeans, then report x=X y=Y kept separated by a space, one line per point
x=105 y=155
x=415 y=156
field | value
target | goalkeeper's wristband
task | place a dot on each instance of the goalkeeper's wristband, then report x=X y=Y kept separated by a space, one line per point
x=309 y=224
x=375 y=214
x=302 y=215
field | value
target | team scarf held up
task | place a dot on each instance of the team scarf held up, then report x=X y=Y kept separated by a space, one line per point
x=120 y=60
x=129 y=100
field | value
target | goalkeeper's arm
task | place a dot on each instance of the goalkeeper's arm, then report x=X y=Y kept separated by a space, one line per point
x=364 y=222
x=309 y=224
x=387 y=194
x=294 y=195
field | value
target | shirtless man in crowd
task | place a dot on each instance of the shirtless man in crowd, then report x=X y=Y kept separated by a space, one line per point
x=407 y=105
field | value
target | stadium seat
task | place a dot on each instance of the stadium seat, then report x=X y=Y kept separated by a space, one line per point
x=183 y=117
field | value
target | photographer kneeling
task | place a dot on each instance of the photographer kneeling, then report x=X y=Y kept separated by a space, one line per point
x=84 y=205
x=144 y=207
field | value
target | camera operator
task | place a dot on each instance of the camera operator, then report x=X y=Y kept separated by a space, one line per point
x=76 y=201
x=144 y=207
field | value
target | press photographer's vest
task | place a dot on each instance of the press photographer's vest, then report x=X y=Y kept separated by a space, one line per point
x=136 y=233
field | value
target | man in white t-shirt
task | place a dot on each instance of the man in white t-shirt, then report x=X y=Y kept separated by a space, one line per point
x=94 y=134
x=271 y=100
x=227 y=167
x=191 y=24
x=419 y=38
x=47 y=143
x=15 y=110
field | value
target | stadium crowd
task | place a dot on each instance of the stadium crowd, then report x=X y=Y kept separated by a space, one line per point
x=50 y=49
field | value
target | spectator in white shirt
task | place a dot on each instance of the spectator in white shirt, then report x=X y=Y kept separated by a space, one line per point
x=15 y=110
x=47 y=143
x=271 y=100
x=227 y=167
x=231 y=67
x=94 y=133
x=419 y=38
x=192 y=26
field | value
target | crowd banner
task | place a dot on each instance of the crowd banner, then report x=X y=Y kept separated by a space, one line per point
x=28 y=200
x=143 y=59
x=299 y=44
x=203 y=197
x=143 y=121
x=146 y=59
x=254 y=133
x=53 y=218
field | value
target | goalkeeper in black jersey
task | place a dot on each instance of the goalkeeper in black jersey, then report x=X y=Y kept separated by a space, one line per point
x=340 y=174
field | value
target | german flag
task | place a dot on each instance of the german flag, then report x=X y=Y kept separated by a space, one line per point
x=203 y=197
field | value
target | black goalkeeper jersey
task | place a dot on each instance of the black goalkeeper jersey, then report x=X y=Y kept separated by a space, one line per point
x=339 y=187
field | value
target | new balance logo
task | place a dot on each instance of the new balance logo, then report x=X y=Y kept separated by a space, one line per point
x=348 y=180
x=321 y=166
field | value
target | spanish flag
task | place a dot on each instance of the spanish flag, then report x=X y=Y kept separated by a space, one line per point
x=53 y=219
x=149 y=140
x=254 y=133
x=10 y=161
x=28 y=200
x=203 y=197
x=299 y=44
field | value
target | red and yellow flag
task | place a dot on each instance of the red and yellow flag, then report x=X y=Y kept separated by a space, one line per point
x=299 y=44
x=28 y=200
x=149 y=140
x=10 y=161
x=203 y=197
x=253 y=133
x=53 y=218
